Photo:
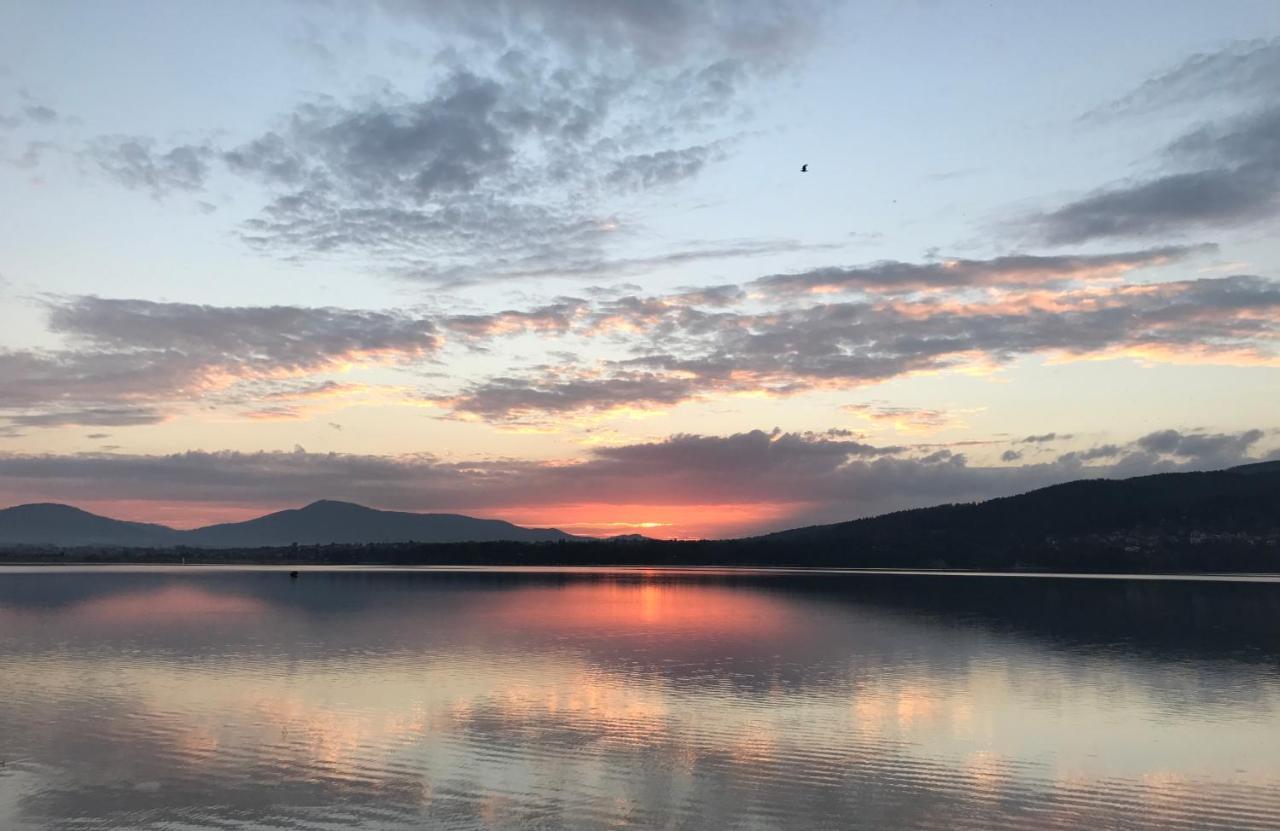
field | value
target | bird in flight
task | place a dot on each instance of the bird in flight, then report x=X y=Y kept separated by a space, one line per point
x=804 y=168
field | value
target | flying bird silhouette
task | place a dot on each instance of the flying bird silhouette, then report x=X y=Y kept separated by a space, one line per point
x=804 y=168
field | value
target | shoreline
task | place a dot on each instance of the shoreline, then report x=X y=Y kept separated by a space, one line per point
x=655 y=570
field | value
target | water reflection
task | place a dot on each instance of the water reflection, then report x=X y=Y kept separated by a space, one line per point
x=402 y=700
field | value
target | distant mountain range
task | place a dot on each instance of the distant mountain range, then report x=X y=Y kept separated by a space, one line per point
x=1226 y=520
x=319 y=523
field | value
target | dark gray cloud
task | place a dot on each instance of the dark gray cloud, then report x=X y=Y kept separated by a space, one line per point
x=1104 y=451
x=132 y=361
x=1219 y=175
x=32 y=112
x=683 y=352
x=1014 y=271
x=1011 y=455
x=40 y=114
x=125 y=354
x=1196 y=448
x=509 y=161
x=1041 y=438
x=136 y=163
x=822 y=477
x=91 y=416
x=497 y=172
x=1199 y=445
x=555 y=392
x=270 y=337
x=557 y=317
x=648 y=33
x=647 y=170
x=452 y=141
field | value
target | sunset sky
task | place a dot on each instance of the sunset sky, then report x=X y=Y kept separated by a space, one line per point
x=554 y=261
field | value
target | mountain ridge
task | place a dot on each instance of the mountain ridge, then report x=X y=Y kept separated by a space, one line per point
x=1098 y=505
x=1168 y=518
x=324 y=521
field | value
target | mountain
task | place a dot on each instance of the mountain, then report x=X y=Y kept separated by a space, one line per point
x=327 y=521
x=1145 y=518
x=1218 y=521
x=319 y=523
x=51 y=524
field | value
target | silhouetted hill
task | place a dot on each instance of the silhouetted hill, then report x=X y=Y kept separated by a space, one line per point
x=1221 y=521
x=320 y=523
x=1257 y=467
x=51 y=524
x=327 y=522
x=1238 y=499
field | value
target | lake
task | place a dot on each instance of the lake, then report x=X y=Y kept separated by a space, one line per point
x=203 y=698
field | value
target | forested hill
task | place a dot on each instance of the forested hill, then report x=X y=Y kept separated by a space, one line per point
x=1237 y=500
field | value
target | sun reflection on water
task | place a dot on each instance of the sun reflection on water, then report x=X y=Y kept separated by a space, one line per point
x=641 y=701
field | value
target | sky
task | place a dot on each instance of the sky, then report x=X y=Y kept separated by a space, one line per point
x=555 y=261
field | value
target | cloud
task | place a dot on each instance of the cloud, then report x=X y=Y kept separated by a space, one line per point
x=267 y=337
x=1205 y=447
x=31 y=112
x=655 y=352
x=1014 y=271
x=532 y=399
x=1011 y=455
x=134 y=162
x=100 y=416
x=1242 y=69
x=1215 y=197
x=1045 y=437
x=133 y=361
x=682 y=352
x=512 y=159
x=1105 y=451
x=1225 y=174
x=587 y=257
x=654 y=33
x=816 y=476
x=448 y=143
x=554 y=317
x=33 y=155
x=40 y=114
x=904 y=419
x=648 y=170
x=501 y=174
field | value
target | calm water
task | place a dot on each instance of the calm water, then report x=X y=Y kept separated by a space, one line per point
x=194 y=699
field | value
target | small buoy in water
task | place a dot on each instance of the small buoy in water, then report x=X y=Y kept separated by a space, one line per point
x=294 y=575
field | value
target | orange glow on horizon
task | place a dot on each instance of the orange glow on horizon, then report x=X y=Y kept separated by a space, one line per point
x=596 y=519
x=691 y=521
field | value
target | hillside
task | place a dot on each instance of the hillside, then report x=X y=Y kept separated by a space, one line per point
x=1142 y=518
x=51 y=524
x=1234 y=499
x=328 y=521
x=319 y=523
